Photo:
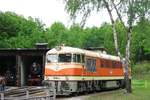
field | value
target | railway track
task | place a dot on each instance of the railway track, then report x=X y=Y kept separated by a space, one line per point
x=85 y=96
x=40 y=91
x=27 y=92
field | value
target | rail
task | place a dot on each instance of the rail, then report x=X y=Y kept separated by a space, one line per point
x=28 y=93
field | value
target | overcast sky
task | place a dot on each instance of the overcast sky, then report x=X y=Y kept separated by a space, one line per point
x=49 y=11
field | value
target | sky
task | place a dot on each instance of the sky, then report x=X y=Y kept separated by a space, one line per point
x=49 y=11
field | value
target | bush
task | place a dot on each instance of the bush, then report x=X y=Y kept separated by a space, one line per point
x=141 y=70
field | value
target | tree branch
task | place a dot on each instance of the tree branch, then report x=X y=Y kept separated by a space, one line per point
x=114 y=29
x=119 y=15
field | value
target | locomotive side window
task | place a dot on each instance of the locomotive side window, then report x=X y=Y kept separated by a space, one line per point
x=64 y=57
x=118 y=64
x=110 y=64
x=114 y=64
x=91 y=64
x=104 y=63
x=83 y=58
x=77 y=58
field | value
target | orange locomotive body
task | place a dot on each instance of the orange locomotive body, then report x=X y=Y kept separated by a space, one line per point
x=73 y=70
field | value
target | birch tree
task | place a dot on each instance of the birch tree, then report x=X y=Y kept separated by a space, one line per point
x=133 y=10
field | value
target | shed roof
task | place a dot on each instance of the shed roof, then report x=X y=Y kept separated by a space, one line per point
x=23 y=51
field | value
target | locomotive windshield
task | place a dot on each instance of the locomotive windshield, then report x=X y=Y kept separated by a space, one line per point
x=54 y=58
x=64 y=57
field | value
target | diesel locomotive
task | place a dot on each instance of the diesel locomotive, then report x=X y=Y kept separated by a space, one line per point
x=73 y=70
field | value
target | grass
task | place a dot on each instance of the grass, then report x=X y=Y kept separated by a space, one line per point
x=140 y=91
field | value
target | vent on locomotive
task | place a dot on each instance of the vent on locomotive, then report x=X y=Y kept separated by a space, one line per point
x=65 y=58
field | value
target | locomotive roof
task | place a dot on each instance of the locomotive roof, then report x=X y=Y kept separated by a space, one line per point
x=66 y=49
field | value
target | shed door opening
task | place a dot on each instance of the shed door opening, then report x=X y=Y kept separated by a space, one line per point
x=8 y=69
x=32 y=70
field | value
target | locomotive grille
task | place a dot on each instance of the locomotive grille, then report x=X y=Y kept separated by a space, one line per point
x=65 y=85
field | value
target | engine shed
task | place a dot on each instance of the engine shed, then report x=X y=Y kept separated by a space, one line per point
x=17 y=63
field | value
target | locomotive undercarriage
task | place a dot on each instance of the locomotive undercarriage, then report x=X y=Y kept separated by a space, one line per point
x=76 y=87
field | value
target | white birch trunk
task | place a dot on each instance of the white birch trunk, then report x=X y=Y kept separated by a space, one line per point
x=113 y=28
x=126 y=62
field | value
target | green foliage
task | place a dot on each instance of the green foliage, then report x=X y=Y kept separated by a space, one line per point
x=140 y=40
x=106 y=29
x=141 y=70
x=95 y=37
x=19 y=32
x=76 y=36
x=56 y=34
x=9 y=24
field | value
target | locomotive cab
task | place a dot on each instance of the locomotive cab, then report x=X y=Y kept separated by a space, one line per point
x=64 y=61
x=62 y=68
